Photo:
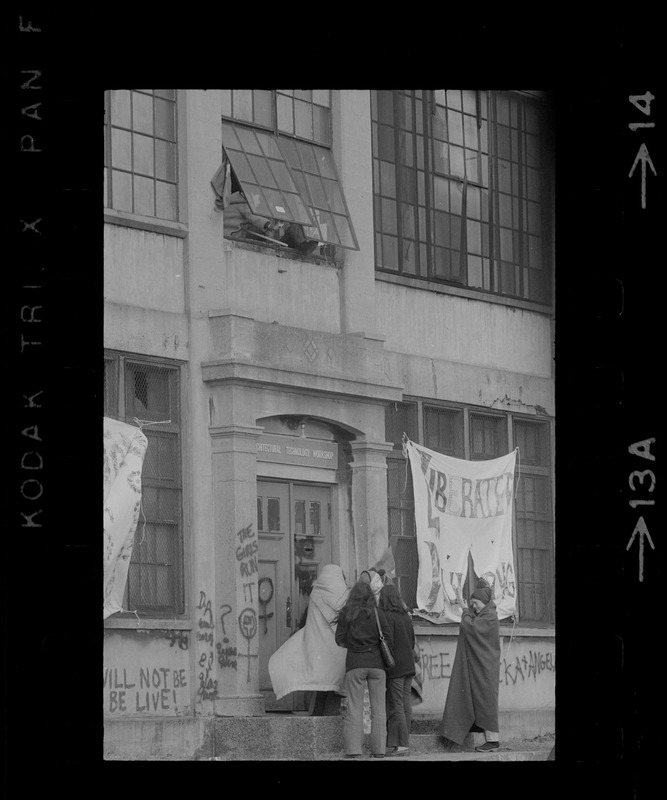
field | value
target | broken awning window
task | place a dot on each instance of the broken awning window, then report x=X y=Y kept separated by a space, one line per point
x=291 y=180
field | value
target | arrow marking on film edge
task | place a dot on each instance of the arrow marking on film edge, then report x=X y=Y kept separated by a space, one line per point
x=644 y=157
x=641 y=528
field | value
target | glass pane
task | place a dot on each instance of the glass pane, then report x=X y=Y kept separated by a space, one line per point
x=142 y=108
x=441 y=194
x=121 y=190
x=166 y=202
x=469 y=101
x=168 y=94
x=285 y=114
x=455 y=123
x=345 y=233
x=321 y=125
x=242 y=104
x=333 y=193
x=322 y=97
x=314 y=520
x=120 y=108
x=475 y=272
x=454 y=98
x=121 y=149
x=387 y=180
x=143 y=154
x=457 y=163
x=262 y=172
x=303 y=121
x=226 y=102
x=264 y=107
x=390 y=252
x=165 y=160
x=300 y=517
x=260 y=516
x=474 y=237
x=165 y=119
x=248 y=141
x=144 y=196
x=274 y=513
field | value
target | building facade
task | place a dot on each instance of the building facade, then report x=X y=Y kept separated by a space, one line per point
x=274 y=382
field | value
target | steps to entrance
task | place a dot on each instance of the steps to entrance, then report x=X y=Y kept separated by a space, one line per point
x=284 y=737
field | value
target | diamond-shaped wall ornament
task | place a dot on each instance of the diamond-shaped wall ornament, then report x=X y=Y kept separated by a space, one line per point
x=310 y=349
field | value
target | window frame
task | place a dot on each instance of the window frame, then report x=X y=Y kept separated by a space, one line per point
x=541 y=300
x=421 y=405
x=116 y=216
x=122 y=362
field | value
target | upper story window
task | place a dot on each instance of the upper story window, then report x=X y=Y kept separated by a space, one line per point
x=278 y=183
x=304 y=113
x=140 y=159
x=462 y=189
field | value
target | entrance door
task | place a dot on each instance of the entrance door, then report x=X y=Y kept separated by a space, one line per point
x=294 y=530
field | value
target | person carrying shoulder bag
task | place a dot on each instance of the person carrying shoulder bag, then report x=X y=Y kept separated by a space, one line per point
x=357 y=630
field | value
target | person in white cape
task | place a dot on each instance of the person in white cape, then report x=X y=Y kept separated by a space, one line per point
x=310 y=660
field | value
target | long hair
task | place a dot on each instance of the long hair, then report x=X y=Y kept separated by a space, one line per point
x=361 y=600
x=390 y=600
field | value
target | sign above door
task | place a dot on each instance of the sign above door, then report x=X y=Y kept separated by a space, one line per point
x=297 y=450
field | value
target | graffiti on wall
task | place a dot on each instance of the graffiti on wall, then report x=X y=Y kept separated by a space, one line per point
x=208 y=686
x=530 y=665
x=248 y=628
x=151 y=689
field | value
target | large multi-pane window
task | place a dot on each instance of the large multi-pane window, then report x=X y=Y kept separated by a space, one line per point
x=462 y=189
x=140 y=159
x=277 y=143
x=304 y=113
x=475 y=434
x=142 y=391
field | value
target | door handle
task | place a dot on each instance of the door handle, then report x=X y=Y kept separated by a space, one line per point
x=288 y=612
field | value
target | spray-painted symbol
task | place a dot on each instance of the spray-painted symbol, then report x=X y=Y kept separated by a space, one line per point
x=222 y=620
x=248 y=628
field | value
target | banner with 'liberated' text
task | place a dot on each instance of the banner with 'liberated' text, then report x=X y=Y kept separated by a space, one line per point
x=463 y=513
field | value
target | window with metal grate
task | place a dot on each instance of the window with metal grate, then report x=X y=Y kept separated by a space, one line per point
x=147 y=392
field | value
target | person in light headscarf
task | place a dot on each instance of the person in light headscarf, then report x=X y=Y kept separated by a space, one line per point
x=310 y=660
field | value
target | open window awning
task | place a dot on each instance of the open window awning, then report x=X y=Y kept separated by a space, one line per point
x=283 y=178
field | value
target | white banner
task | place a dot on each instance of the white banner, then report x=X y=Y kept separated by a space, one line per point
x=124 y=451
x=462 y=508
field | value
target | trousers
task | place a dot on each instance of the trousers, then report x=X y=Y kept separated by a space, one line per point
x=399 y=711
x=353 y=724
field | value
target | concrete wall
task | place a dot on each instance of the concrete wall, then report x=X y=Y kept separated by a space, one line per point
x=527 y=679
x=147 y=673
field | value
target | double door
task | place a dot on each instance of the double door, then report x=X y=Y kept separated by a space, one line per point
x=294 y=531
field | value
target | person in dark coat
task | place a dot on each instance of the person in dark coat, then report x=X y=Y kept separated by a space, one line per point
x=399 y=677
x=472 y=698
x=357 y=630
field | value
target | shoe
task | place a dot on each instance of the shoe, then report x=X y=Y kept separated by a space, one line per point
x=487 y=746
x=307 y=247
x=398 y=751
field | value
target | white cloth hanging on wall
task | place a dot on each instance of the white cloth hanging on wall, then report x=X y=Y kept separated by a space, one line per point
x=124 y=450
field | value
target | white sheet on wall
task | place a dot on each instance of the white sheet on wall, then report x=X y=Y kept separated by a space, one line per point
x=124 y=451
x=461 y=508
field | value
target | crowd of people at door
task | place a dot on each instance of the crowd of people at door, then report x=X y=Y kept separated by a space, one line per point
x=338 y=654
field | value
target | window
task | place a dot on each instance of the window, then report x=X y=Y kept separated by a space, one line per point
x=149 y=391
x=277 y=145
x=461 y=189
x=140 y=159
x=534 y=521
x=473 y=434
x=401 y=418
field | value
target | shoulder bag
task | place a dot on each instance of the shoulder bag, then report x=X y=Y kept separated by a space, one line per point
x=387 y=655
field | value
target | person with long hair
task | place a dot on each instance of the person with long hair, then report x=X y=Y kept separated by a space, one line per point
x=357 y=630
x=399 y=677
